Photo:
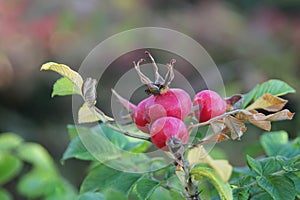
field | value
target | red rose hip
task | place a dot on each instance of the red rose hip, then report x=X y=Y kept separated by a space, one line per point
x=209 y=105
x=172 y=103
x=165 y=128
x=141 y=119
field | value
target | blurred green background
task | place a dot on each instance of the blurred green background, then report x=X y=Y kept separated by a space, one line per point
x=250 y=41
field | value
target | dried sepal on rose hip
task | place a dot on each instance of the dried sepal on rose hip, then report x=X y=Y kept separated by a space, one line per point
x=166 y=128
x=163 y=101
x=208 y=104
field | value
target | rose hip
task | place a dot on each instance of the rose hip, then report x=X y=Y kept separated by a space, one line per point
x=165 y=128
x=209 y=105
x=173 y=103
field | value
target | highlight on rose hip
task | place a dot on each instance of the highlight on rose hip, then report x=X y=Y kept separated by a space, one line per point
x=173 y=123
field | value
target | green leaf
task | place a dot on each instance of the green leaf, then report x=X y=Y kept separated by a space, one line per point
x=269 y=165
x=60 y=189
x=162 y=193
x=223 y=188
x=38 y=156
x=112 y=148
x=10 y=166
x=278 y=187
x=4 y=195
x=112 y=194
x=273 y=86
x=291 y=149
x=40 y=183
x=63 y=87
x=72 y=131
x=289 y=164
x=9 y=141
x=260 y=196
x=138 y=147
x=247 y=98
x=241 y=193
x=103 y=177
x=77 y=150
x=272 y=142
x=145 y=187
x=295 y=177
x=254 y=165
x=91 y=196
x=35 y=184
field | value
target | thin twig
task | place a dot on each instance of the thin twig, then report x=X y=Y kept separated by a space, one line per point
x=213 y=119
x=109 y=125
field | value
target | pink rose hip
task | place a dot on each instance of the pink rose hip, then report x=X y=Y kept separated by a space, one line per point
x=165 y=128
x=208 y=105
x=172 y=103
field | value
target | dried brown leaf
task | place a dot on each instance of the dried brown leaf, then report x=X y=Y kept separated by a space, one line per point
x=255 y=118
x=278 y=116
x=268 y=102
x=216 y=138
x=217 y=126
x=236 y=126
x=89 y=91
x=234 y=102
x=282 y=115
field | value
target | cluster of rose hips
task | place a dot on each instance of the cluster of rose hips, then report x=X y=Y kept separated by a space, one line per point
x=162 y=113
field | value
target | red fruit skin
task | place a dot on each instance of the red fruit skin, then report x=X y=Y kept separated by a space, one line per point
x=165 y=128
x=140 y=118
x=173 y=103
x=209 y=105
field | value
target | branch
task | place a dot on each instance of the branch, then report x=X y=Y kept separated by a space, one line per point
x=141 y=137
x=213 y=119
x=108 y=121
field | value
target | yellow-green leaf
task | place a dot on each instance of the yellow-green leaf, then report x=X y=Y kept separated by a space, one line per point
x=268 y=102
x=85 y=115
x=65 y=71
x=197 y=155
x=223 y=188
x=221 y=167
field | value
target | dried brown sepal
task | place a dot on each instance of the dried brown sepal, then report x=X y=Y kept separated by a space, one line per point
x=160 y=85
x=158 y=78
x=268 y=102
